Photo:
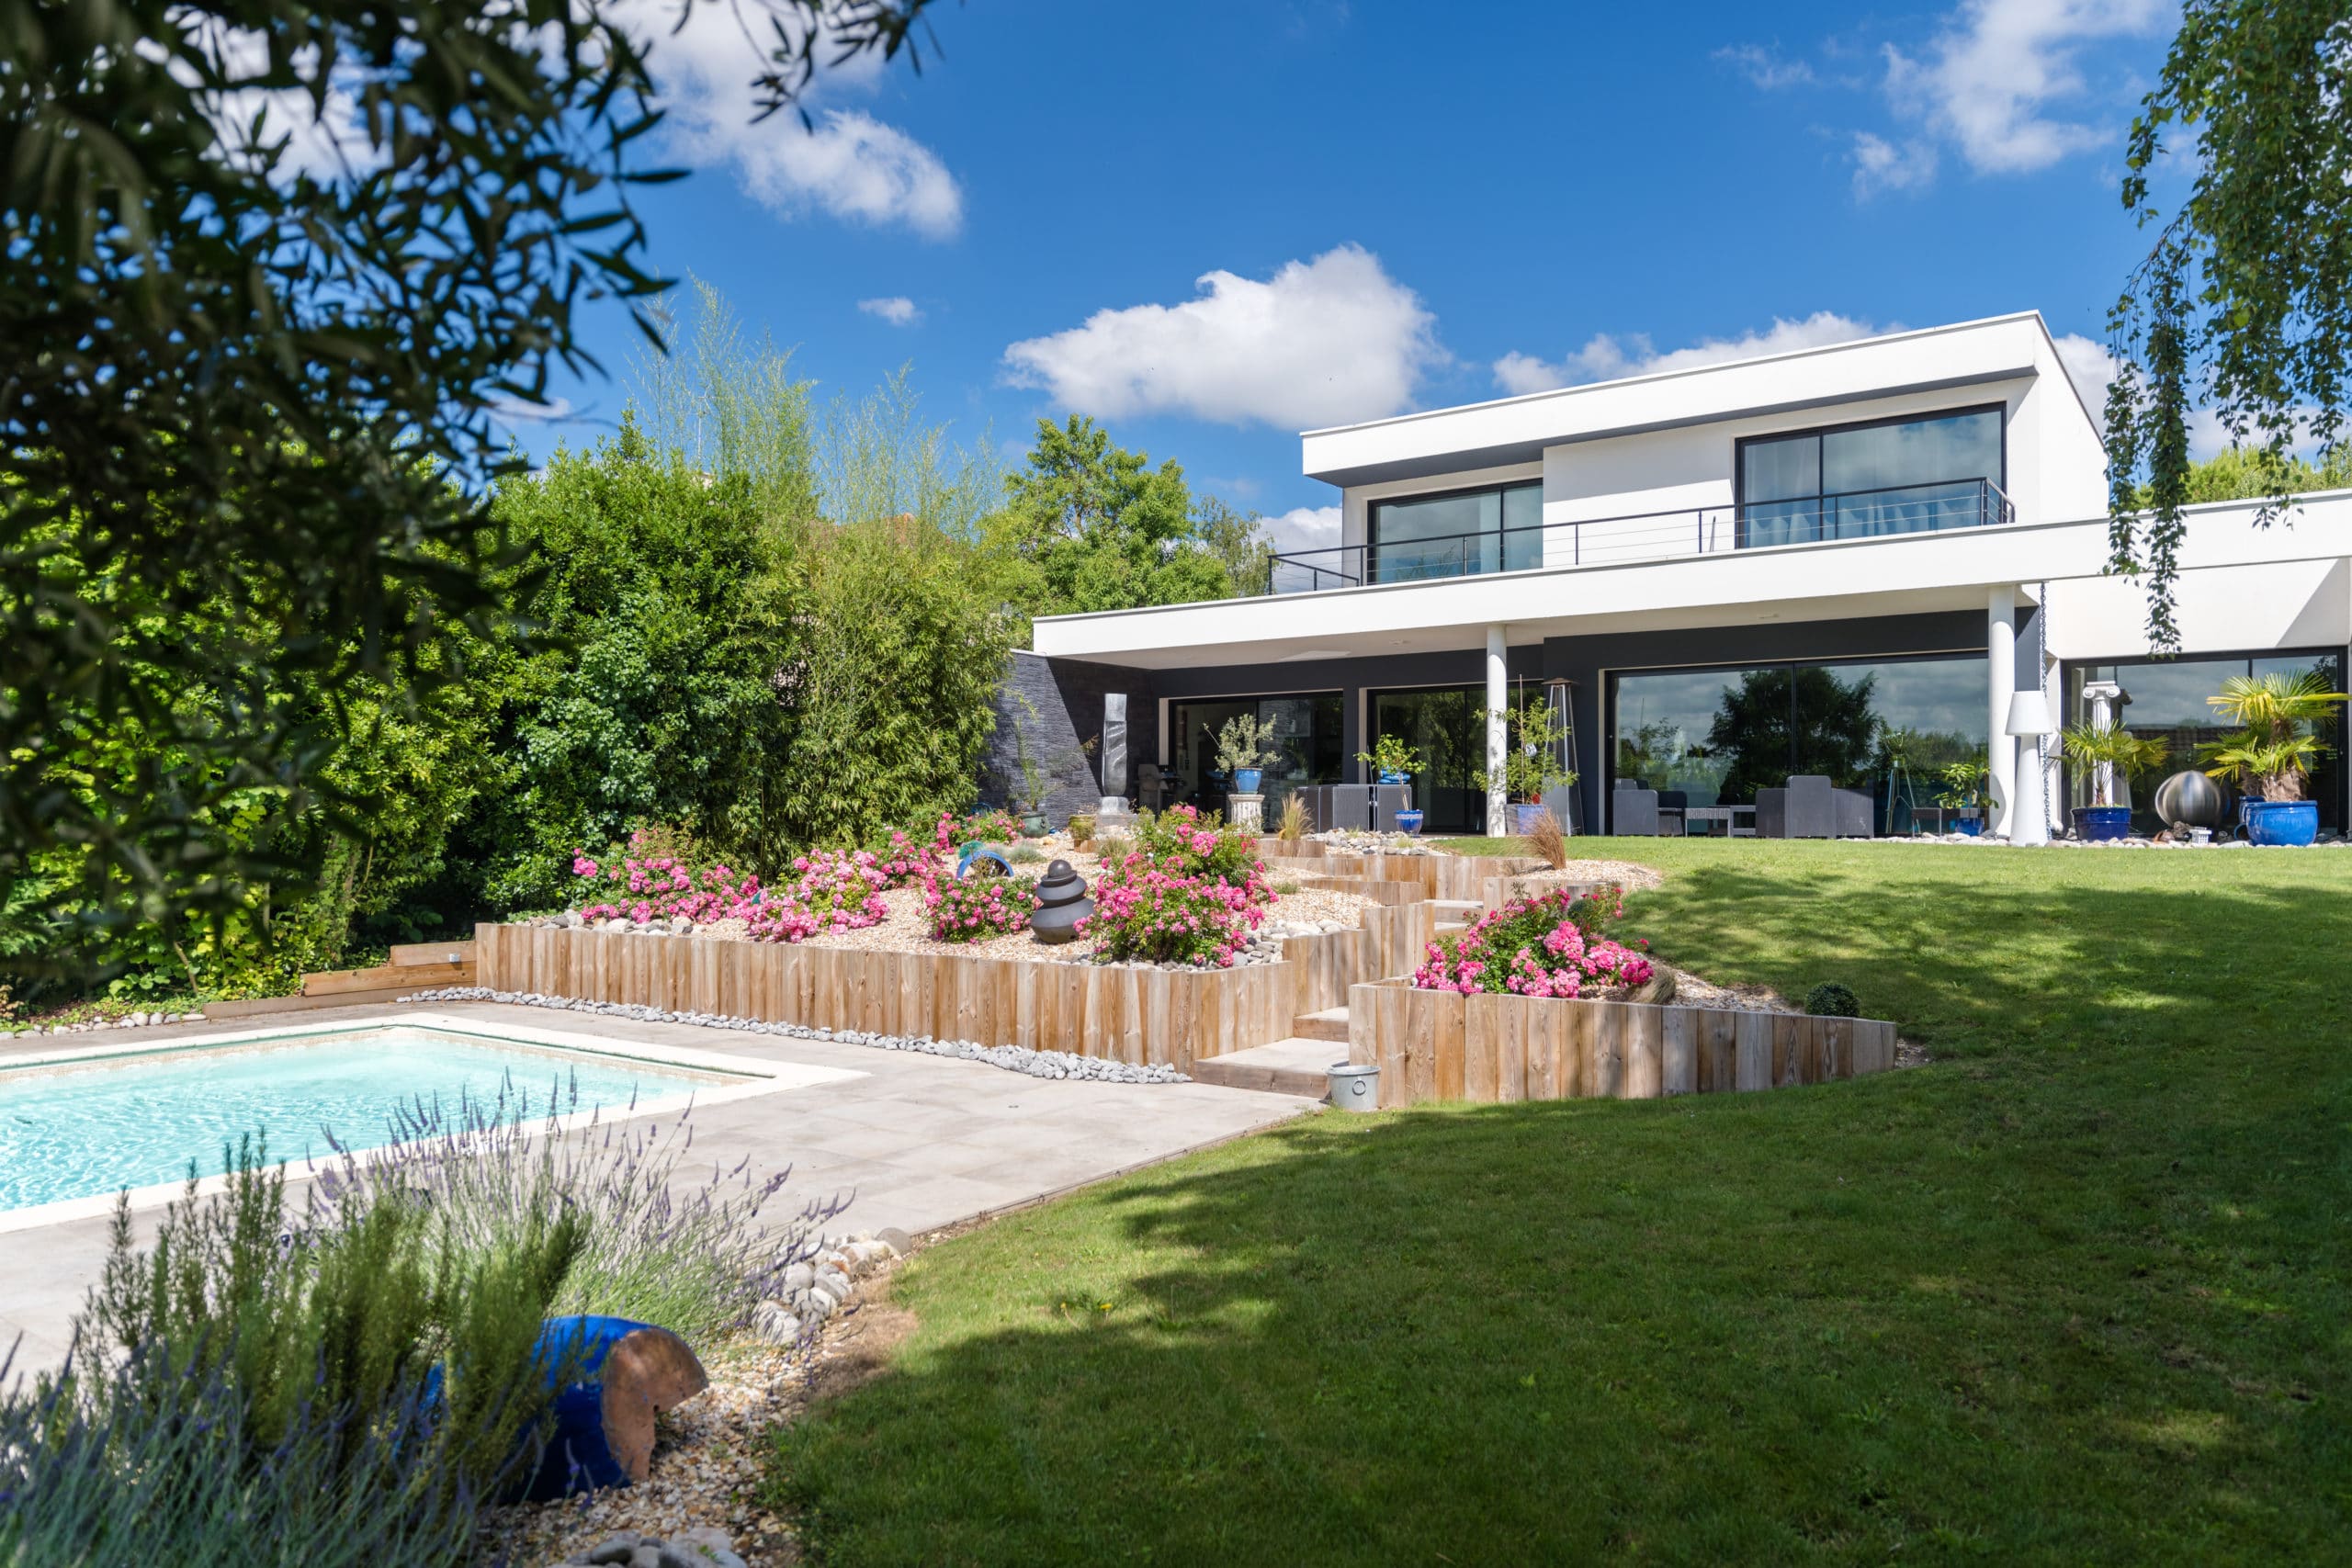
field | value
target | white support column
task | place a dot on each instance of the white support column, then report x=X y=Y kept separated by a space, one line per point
x=2000 y=684
x=1497 y=730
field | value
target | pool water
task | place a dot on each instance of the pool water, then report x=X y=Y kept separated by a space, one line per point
x=89 y=1130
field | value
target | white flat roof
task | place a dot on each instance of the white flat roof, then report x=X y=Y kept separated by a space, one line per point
x=1518 y=429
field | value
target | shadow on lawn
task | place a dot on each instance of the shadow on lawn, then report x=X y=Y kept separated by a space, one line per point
x=2069 y=1300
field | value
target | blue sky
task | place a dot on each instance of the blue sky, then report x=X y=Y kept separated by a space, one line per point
x=1214 y=224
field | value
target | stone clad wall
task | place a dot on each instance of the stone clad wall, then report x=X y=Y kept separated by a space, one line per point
x=1064 y=710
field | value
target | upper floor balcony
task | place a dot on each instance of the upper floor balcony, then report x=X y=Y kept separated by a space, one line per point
x=1885 y=511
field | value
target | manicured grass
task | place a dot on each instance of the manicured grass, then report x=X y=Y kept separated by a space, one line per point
x=2075 y=1292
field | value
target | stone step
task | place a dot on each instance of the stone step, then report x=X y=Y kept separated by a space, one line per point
x=1331 y=1023
x=1287 y=1067
x=1458 y=906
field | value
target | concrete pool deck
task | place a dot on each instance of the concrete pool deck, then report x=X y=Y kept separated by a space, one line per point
x=917 y=1141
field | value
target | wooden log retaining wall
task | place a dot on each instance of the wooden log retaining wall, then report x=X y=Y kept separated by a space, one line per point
x=1142 y=1016
x=1444 y=1045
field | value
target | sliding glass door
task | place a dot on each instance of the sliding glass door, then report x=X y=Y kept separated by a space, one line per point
x=1446 y=727
x=1854 y=481
x=1306 y=742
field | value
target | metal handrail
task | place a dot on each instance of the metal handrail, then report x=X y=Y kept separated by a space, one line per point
x=1645 y=536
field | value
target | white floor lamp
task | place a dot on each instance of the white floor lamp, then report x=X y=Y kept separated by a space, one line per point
x=2030 y=721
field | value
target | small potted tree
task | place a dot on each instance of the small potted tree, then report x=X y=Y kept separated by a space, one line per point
x=2274 y=752
x=1532 y=765
x=1960 y=786
x=2111 y=752
x=1244 y=746
x=1391 y=760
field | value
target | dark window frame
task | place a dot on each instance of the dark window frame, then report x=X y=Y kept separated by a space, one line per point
x=1372 y=544
x=1741 y=444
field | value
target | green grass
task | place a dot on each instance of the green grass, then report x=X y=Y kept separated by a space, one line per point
x=2075 y=1292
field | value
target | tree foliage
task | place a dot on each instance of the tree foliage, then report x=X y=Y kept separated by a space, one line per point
x=2244 y=301
x=1089 y=524
x=271 y=268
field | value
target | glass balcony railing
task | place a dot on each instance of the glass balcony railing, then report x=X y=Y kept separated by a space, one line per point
x=1654 y=535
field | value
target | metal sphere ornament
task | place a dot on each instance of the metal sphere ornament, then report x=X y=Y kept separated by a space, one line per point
x=2188 y=799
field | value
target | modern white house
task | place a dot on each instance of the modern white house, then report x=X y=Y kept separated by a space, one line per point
x=1842 y=561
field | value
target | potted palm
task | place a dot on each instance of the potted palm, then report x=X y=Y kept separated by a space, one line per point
x=1531 y=764
x=2111 y=751
x=2274 y=752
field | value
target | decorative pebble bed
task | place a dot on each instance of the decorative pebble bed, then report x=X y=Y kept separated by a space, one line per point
x=1011 y=1058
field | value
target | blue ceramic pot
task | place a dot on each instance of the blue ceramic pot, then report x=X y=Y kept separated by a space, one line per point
x=2288 y=823
x=1408 y=821
x=1390 y=775
x=1971 y=826
x=2104 y=824
x=1246 y=780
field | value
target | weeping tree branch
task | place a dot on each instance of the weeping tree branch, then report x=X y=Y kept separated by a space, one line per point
x=2245 y=303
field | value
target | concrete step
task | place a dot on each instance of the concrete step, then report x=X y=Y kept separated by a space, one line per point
x=1447 y=928
x=1287 y=1067
x=1460 y=908
x=1331 y=1023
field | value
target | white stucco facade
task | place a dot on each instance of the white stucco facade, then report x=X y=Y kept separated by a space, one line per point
x=1644 y=561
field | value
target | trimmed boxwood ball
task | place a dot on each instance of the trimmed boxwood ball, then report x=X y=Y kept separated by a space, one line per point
x=1830 y=999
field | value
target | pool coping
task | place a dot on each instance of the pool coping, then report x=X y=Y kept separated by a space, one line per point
x=760 y=1076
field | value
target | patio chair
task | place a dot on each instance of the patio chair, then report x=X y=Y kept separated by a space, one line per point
x=1672 y=804
x=1632 y=811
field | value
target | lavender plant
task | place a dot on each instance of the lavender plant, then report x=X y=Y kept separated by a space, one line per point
x=661 y=1240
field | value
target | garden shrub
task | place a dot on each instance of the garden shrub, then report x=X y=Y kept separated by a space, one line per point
x=1545 y=944
x=982 y=907
x=1188 y=892
x=1831 y=999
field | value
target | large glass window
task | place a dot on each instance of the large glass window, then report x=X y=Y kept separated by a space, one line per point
x=2164 y=700
x=1454 y=536
x=1718 y=736
x=1446 y=727
x=1307 y=737
x=1896 y=477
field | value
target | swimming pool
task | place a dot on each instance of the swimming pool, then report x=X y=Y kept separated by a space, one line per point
x=89 y=1127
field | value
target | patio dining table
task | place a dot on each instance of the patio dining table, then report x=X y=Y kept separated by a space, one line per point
x=1697 y=820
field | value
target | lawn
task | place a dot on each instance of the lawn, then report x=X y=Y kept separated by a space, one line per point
x=2076 y=1291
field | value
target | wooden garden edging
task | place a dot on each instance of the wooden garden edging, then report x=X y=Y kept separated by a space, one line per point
x=1484 y=1047
x=1140 y=1016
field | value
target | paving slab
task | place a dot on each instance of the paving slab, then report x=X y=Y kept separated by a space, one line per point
x=914 y=1141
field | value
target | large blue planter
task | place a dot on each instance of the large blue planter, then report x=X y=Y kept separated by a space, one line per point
x=2104 y=824
x=1246 y=780
x=2287 y=823
x=1390 y=775
x=1408 y=821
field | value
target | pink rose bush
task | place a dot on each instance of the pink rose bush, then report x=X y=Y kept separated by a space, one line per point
x=834 y=890
x=1547 y=945
x=983 y=908
x=1188 y=893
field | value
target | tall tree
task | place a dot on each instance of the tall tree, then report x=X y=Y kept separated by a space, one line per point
x=2244 y=304
x=267 y=270
x=1097 y=527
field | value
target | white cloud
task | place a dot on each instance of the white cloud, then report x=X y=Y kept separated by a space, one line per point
x=1606 y=358
x=896 y=309
x=1881 y=165
x=518 y=412
x=1305 y=528
x=1991 y=79
x=1765 y=68
x=1322 y=341
x=2089 y=367
x=849 y=164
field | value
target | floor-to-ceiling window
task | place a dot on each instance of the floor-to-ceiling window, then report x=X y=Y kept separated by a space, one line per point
x=1888 y=476
x=2164 y=700
x=1495 y=529
x=1307 y=743
x=1719 y=734
x=1446 y=727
